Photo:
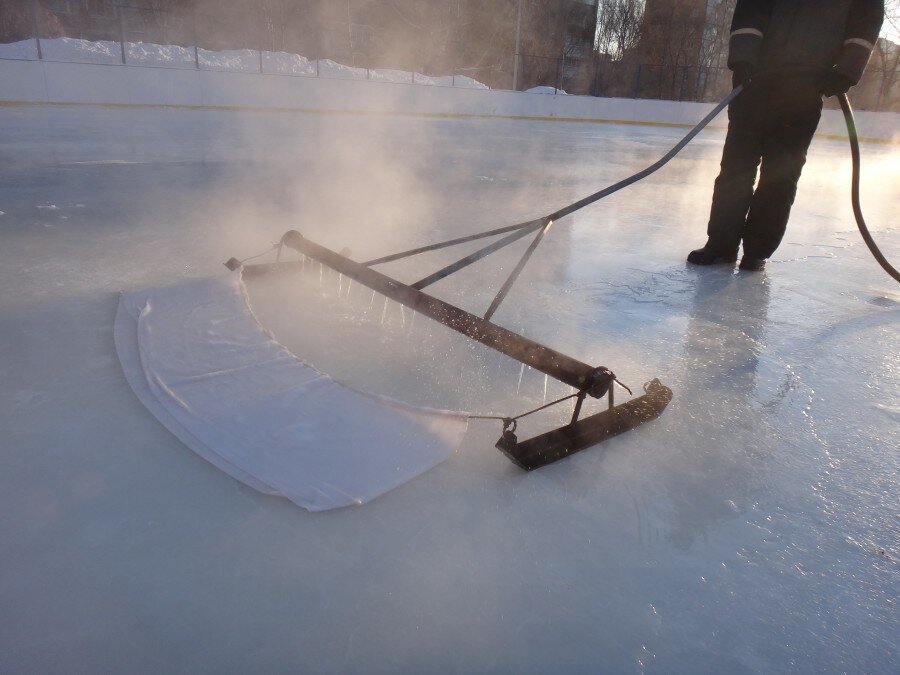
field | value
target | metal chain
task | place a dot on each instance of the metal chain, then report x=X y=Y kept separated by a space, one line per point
x=511 y=421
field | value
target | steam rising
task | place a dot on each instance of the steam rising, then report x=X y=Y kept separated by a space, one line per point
x=764 y=491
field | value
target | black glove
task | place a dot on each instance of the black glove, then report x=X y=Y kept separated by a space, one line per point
x=836 y=83
x=741 y=74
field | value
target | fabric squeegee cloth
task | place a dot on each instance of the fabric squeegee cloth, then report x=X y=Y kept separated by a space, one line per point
x=197 y=358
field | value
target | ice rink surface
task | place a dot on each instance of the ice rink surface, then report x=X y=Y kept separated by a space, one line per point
x=753 y=528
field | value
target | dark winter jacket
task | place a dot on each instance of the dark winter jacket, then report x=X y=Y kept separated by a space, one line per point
x=827 y=34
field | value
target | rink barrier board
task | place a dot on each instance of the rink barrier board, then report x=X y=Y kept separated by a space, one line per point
x=412 y=114
x=33 y=82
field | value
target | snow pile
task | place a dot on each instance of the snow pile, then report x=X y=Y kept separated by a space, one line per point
x=171 y=56
x=283 y=63
x=68 y=49
x=234 y=60
x=329 y=68
x=26 y=49
x=545 y=90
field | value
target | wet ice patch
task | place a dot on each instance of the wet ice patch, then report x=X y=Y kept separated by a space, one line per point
x=892 y=412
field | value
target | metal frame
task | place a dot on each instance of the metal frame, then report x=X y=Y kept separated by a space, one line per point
x=594 y=381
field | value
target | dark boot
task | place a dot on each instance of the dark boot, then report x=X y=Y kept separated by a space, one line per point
x=749 y=264
x=710 y=256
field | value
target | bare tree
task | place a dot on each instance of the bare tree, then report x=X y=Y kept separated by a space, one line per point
x=713 y=79
x=428 y=31
x=879 y=88
x=714 y=47
x=277 y=15
x=892 y=16
x=162 y=16
x=18 y=19
x=672 y=33
x=886 y=60
x=618 y=27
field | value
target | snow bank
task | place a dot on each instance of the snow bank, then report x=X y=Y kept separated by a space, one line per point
x=26 y=49
x=108 y=52
x=282 y=63
x=545 y=90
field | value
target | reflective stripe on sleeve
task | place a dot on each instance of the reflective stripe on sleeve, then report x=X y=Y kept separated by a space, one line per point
x=748 y=31
x=859 y=41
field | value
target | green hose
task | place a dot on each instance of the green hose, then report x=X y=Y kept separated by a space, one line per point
x=857 y=209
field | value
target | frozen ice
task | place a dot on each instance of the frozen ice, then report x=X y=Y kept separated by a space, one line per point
x=752 y=528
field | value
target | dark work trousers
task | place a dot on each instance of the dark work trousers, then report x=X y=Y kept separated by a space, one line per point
x=772 y=123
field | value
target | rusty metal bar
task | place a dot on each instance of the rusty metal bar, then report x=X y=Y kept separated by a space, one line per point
x=559 y=443
x=478 y=255
x=450 y=242
x=517 y=270
x=582 y=376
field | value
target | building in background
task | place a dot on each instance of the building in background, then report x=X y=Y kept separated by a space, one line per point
x=671 y=47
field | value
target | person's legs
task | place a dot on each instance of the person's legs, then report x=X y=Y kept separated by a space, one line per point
x=789 y=131
x=733 y=191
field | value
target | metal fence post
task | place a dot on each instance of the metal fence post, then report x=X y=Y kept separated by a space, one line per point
x=560 y=66
x=121 y=17
x=877 y=106
x=196 y=51
x=37 y=30
x=515 y=85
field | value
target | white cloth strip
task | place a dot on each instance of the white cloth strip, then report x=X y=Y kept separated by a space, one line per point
x=747 y=31
x=859 y=41
x=197 y=358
